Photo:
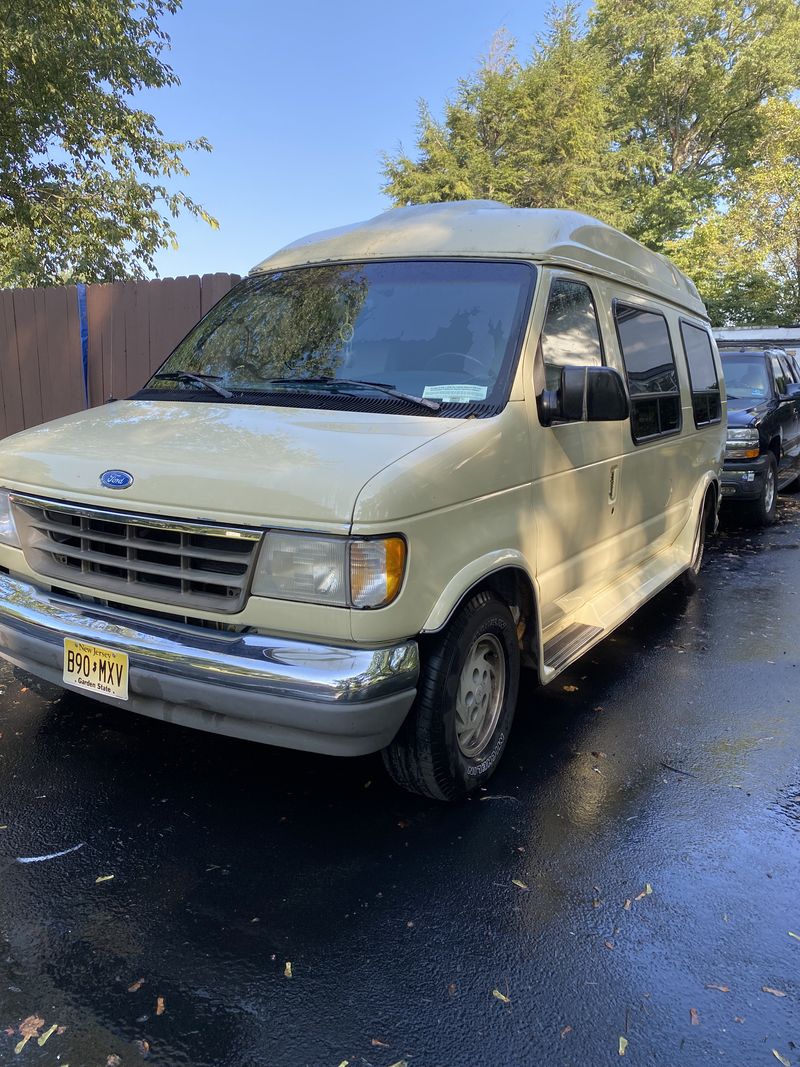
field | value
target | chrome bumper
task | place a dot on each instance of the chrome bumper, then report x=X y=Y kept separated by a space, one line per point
x=291 y=693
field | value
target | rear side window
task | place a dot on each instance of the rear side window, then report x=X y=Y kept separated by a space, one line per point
x=702 y=374
x=779 y=374
x=570 y=334
x=650 y=369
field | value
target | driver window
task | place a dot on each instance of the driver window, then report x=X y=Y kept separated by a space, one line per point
x=571 y=334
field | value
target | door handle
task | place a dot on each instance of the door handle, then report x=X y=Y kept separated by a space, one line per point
x=613 y=483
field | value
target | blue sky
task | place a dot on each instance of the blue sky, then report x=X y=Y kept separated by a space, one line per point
x=299 y=100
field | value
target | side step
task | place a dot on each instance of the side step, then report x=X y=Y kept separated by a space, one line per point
x=566 y=645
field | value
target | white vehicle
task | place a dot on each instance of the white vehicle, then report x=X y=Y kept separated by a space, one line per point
x=395 y=463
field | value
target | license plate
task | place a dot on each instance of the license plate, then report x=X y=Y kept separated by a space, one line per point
x=96 y=669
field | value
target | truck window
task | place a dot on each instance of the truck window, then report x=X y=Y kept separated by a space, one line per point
x=650 y=368
x=779 y=374
x=702 y=374
x=570 y=334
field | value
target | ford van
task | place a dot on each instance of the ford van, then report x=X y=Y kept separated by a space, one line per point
x=394 y=465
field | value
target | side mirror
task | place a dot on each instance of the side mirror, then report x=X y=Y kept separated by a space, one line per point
x=792 y=391
x=591 y=394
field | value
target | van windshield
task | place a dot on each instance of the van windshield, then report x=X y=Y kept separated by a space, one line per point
x=447 y=331
x=746 y=377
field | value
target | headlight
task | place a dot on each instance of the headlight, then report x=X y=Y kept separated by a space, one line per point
x=8 y=531
x=340 y=571
x=742 y=444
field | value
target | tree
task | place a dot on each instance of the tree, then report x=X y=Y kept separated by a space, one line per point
x=686 y=81
x=530 y=135
x=82 y=170
x=746 y=261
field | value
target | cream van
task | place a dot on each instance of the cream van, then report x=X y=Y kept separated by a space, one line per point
x=398 y=462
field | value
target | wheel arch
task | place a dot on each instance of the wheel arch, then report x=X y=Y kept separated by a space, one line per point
x=509 y=577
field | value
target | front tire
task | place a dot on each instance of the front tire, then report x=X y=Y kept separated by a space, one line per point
x=457 y=729
x=763 y=510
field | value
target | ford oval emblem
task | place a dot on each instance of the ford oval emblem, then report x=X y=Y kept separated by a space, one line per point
x=116 y=479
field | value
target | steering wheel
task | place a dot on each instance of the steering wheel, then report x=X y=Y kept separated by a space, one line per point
x=461 y=355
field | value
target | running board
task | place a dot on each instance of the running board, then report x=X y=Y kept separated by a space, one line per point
x=566 y=645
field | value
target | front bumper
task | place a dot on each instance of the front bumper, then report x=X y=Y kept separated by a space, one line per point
x=743 y=479
x=341 y=701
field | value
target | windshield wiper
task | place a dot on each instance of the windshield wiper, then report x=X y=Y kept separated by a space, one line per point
x=355 y=383
x=208 y=381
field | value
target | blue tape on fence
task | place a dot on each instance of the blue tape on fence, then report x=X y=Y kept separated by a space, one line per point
x=84 y=321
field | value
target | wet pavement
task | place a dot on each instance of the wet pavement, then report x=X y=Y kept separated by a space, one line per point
x=631 y=875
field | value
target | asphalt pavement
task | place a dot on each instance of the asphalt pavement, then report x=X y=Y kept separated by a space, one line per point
x=629 y=883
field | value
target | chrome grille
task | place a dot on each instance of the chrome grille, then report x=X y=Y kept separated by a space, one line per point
x=185 y=564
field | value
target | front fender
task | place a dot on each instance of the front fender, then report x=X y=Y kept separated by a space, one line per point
x=469 y=576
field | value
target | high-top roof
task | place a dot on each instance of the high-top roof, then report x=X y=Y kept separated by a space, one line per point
x=484 y=228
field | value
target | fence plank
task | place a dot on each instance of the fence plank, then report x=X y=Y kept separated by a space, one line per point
x=99 y=310
x=13 y=418
x=213 y=287
x=25 y=323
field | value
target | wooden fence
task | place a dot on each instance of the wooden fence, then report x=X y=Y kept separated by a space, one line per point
x=66 y=348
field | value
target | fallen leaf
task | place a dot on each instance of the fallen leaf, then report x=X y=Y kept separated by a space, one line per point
x=781 y=1059
x=400 y=1063
x=287 y=970
x=143 y=1047
x=774 y=992
x=518 y=883
x=623 y=1044
x=452 y=989
x=570 y=688
x=28 y=1028
x=48 y=1033
x=136 y=986
x=738 y=1018
x=566 y=1030
x=113 y=1061
x=648 y=889
x=62 y=1030
x=609 y=944
x=10 y=1031
x=599 y=755
x=599 y=708
x=345 y=1063
x=791 y=932
x=721 y=988
x=501 y=996
x=627 y=905
x=403 y=824
x=103 y=878
x=161 y=1006
x=378 y=1044
x=694 y=1015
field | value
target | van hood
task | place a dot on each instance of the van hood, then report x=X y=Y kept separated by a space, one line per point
x=229 y=462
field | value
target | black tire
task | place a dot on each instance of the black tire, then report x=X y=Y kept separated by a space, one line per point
x=427 y=756
x=762 y=511
x=689 y=580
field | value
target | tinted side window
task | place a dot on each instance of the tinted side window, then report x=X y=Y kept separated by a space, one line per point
x=570 y=334
x=702 y=374
x=650 y=368
x=778 y=374
x=789 y=367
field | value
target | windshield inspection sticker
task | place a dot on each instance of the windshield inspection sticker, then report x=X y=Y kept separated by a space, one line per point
x=455 y=394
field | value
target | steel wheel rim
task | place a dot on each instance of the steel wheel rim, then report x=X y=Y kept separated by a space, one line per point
x=481 y=694
x=769 y=490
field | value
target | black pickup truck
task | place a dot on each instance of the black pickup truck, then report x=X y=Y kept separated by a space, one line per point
x=762 y=451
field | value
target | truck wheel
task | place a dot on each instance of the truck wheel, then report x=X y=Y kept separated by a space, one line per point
x=689 y=579
x=455 y=733
x=762 y=510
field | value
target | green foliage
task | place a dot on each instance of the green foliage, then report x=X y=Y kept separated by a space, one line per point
x=82 y=171
x=530 y=135
x=672 y=119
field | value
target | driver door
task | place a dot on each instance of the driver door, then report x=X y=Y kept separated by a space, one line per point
x=577 y=464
